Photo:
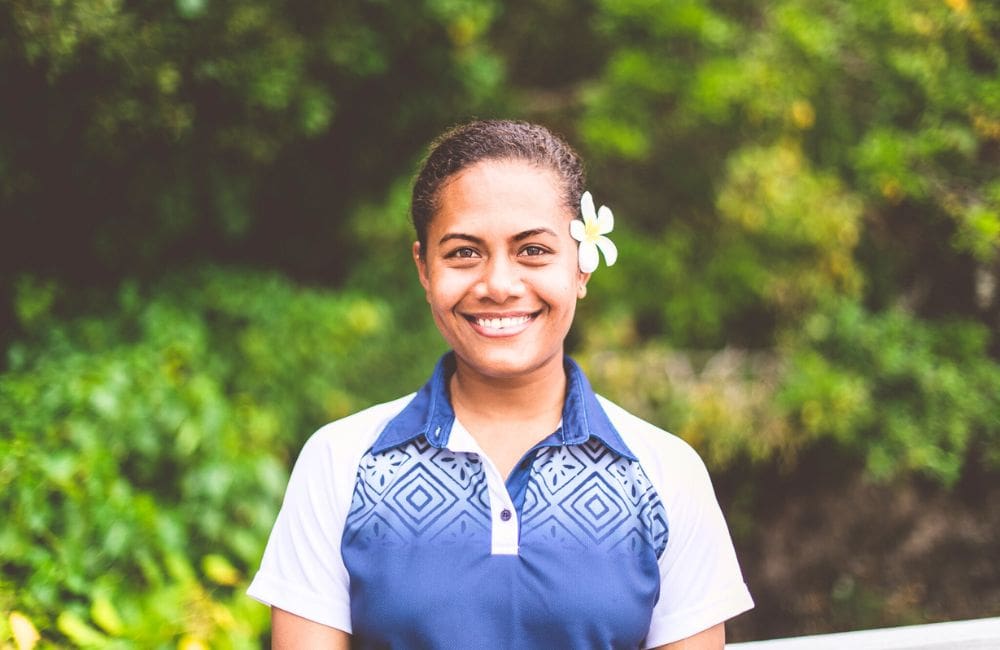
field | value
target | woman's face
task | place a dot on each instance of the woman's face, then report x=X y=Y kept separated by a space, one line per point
x=500 y=269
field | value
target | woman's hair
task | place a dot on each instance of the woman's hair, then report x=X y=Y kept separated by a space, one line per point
x=501 y=140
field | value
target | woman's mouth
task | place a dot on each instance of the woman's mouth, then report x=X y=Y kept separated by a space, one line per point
x=501 y=325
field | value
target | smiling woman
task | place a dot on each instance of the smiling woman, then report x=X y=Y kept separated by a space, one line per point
x=500 y=272
x=504 y=504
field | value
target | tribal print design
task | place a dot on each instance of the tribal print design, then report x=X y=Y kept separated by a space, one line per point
x=578 y=496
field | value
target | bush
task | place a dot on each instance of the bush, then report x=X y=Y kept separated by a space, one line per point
x=145 y=450
x=905 y=394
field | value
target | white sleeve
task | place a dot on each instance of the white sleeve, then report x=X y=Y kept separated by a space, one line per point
x=700 y=580
x=302 y=570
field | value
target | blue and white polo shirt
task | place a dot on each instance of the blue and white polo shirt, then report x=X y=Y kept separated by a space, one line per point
x=397 y=528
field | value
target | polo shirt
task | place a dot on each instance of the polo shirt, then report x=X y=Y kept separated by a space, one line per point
x=397 y=528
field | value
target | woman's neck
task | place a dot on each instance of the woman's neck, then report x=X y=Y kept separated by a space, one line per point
x=508 y=416
x=515 y=398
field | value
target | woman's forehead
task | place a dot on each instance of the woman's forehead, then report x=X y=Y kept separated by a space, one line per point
x=504 y=191
x=506 y=166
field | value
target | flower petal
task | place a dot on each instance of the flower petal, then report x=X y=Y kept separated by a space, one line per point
x=577 y=230
x=609 y=249
x=587 y=206
x=605 y=220
x=588 y=257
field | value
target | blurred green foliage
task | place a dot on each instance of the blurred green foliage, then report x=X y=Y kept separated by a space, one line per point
x=201 y=130
x=145 y=452
x=907 y=395
x=904 y=395
x=206 y=254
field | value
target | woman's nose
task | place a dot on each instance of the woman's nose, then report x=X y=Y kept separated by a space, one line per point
x=501 y=280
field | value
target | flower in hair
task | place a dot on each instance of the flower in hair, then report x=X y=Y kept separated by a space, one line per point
x=591 y=231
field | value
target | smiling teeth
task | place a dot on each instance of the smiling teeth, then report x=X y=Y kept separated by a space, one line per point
x=502 y=323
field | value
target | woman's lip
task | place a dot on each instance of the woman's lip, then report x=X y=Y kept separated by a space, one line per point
x=501 y=325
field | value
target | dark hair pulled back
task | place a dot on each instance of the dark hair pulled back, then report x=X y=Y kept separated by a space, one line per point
x=501 y=140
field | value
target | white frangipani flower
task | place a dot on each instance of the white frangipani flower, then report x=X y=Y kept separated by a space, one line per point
x=591 y=231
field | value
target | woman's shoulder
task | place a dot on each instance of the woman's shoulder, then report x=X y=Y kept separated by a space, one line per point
x=658 y=450
x=355 y=433
x=322 y=481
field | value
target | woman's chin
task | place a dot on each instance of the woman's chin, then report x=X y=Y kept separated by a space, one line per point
x=508 y=365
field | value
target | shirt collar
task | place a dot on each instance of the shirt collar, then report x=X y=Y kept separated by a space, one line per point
x=430 y=414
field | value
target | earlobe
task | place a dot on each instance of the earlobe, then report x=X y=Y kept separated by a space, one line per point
x=581 y=287
x=421 y=263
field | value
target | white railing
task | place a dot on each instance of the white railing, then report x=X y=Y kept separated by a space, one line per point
x=979 y=634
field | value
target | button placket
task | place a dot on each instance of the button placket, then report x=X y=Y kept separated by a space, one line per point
x=505 y=528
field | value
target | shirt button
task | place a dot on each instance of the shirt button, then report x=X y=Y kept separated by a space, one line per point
x=505 y=514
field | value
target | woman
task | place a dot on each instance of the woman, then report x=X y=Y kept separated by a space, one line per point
x=504 y=505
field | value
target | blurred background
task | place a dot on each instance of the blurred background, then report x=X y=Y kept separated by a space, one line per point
x=204 y=256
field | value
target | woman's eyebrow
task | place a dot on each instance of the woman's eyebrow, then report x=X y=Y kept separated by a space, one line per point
x=459 y=235
x=534 y=231
x=477 y=240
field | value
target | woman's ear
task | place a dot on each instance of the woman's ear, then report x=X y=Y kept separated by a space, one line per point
x=581 y=285
x=421 y=262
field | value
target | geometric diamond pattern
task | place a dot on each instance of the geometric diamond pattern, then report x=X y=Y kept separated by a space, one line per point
x=557 y=466
x=578 y=496
x=376 y=531
x=420 y=498
x=416 y=491
x=530 y=510
x=551 y=532
x=592 y=451
x=380 y=469
x=634 y=487
x=632 y=543
x=461 y=468
x=598 y=510
x=587 y=494
x=462 y=529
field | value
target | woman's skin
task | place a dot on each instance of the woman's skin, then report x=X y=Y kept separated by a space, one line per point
x=502 y=278
x=291 y=632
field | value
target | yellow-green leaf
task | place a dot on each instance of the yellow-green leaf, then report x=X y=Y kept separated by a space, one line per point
x=25 y=634
x=219 y=570
x=79 y=631
x=103 y=611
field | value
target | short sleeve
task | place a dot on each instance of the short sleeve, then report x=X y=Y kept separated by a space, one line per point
x=302 y=570
x=701 y=584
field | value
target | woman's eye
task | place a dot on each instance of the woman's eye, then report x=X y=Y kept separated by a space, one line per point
x=462 y=253
x=532 y=251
